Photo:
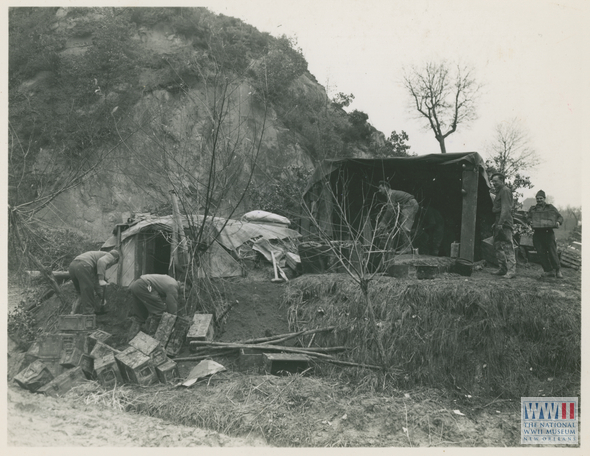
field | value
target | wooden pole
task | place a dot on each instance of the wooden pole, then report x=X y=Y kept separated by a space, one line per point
x=303 y=351
x=174 y=244
x=469 y=190
x=121 y=257
x=178 y=238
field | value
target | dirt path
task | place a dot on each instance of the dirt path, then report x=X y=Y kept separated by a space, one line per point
x=36 y=420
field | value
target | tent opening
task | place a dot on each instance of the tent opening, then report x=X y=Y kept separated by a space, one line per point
x=155 y=252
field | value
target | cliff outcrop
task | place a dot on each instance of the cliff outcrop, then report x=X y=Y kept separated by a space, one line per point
x=111 y=108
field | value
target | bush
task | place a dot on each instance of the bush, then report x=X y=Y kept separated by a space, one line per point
x=21 y=323
x=283 y=196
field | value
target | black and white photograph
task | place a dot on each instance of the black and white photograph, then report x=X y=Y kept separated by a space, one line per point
x=260 y=225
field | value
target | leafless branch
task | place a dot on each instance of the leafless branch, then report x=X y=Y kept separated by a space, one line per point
x=445 y=100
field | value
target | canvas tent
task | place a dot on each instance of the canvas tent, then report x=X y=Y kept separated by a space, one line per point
x=456 y=184
x=145 y=246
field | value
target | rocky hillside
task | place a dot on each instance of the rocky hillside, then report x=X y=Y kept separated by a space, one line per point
x=112 y=108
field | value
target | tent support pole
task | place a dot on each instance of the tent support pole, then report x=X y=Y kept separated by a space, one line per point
x=121 y=258
x=469 y=211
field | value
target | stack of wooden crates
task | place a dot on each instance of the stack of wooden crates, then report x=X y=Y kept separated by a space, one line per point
x=57 y=362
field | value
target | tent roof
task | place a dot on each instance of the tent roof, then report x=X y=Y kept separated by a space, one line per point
x=230 y=233
x=327 y=167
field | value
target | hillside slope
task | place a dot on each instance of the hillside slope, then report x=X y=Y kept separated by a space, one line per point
x=141 y=101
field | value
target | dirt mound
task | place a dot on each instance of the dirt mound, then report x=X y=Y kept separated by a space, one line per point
x=256 y=309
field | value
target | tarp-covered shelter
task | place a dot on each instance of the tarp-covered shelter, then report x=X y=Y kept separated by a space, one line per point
x=145 y=246
x=456 y=184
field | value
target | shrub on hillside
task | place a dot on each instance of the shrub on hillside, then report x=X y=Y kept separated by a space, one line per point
x=21 y=324
x=281 y=196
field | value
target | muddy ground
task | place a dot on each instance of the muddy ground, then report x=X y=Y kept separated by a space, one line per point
x=291 y=411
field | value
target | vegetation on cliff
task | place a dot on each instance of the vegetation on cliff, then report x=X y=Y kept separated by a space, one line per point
x=68 y=70
x=148 y=100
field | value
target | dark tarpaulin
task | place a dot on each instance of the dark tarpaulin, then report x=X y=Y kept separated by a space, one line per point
x=327 y=167
x=435 y=180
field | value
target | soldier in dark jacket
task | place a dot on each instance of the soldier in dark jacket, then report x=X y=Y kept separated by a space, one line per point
x=544 y=238
x=87 y=271
x=502 y=208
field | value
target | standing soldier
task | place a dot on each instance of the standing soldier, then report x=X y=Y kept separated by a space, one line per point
x=502 y=228
x=87 y=272
x=544 y=238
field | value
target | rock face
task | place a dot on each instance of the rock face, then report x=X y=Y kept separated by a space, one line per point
x=149 y=99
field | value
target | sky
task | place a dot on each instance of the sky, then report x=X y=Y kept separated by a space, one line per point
x=530 y=56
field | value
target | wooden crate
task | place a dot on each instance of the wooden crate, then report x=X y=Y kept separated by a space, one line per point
x=53 y=365
x=201 y=328
x=121 y=365
x=76 y=358
x=61 y=384
x=78 y=340
x=97 y=336
x=50 y=345
x=34 y=376
x=293 y=261
x=165 y=328
x=543 y=219
x=15 y=364
x=150 y=347
x=101 y=350
x=399 y=271
x=285 y=363
x=49 y=357
x=32 y=353
x=251 y=359
x=138 y=367
x=76 y=323
x=107 y=371
x=167 y=372
x=181 y=327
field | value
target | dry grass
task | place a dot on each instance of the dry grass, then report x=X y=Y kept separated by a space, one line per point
x=485 y=338
x=299 y=411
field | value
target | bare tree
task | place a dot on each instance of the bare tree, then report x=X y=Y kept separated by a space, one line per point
x=367 y=250
x=446 y=97
x=204 y=152
x=36 y=178
x=510 y=153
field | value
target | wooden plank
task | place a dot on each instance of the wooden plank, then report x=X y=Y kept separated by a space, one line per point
x=469 y=211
